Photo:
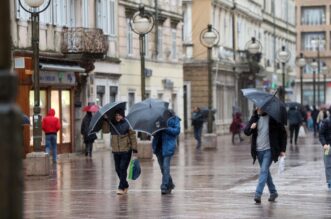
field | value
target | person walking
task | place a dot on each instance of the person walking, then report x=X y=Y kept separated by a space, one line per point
x=51 y=125
x=294 y=119
x=197 y=123
x=268 y=143
x=88 y=139
x=164 y=145
x=235 y=127
x=314 y=115
x=325 y=139
x=123 y=143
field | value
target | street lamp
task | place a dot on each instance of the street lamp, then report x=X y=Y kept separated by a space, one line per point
x=317 y=43
x=301 y=63
x=142 y=23
x=314 y=66
x=35 y=9
x=254 y=47
x=325 y=70
x=283 y=56
x=209 y=37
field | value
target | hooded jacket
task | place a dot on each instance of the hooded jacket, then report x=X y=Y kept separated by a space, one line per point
x=168 y=137
x=50 y=123
x=123 y=139
x=84 y=130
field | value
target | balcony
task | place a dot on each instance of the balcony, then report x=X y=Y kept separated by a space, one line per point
x=85 y=41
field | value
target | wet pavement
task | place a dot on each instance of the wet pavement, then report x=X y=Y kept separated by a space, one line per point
x=209 y=184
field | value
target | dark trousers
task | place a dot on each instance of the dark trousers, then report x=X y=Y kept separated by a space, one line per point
x=234 y=134
x=122 y=161
x=294 y=129
x=197 y=135
x=316 y=128
x=88 y=148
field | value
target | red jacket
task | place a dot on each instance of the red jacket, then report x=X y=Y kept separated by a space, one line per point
x=51 y=124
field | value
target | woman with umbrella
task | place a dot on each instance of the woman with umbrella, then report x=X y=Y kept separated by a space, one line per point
x=84 y=130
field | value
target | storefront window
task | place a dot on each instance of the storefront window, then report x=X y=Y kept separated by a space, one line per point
x=66 y=116
x=43 y=113
x=55 y=104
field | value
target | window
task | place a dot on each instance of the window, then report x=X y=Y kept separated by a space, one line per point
x=46 y=17
x=313 y=15
x=106 y=18
x=64 y=13
x=85 y=14
x=131 y=99
x=307 y=38
x=174 y=44
x=160 y=43
x=129 y=38
x=66 y=116
x=20 y=13
x=112 y=93
x=160 y=96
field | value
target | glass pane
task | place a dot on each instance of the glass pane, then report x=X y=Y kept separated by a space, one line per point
x=43 y=107
x=66 y=116
x=55 y=104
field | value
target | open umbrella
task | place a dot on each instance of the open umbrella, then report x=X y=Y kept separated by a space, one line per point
x=91 y=108
x=293 y=104
x=268 y=103
x=149 y=116
x=205 y=112
x=109 y=110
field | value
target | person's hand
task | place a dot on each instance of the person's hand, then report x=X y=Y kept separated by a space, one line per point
x=134 y=153
x=282 y=154
x=253 y=126
x=326 y=147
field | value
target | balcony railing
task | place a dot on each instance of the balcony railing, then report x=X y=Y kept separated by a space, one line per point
x=81 y=40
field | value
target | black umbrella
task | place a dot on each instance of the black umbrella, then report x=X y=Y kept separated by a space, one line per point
x=293 y=104
x=268 y=103
x=205 y=112
x=109 y=110
x=149 y=116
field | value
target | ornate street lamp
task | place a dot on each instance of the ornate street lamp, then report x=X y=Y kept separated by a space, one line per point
x=301 y=63
x=254 y=47
x=209 y=37
x=142 y=23
x=36 y=7
x=283 y=56
x=325 y=70
x=314 y=66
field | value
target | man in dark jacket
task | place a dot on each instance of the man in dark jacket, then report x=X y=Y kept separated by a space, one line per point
x=294 y=119
x=164 y=145
x=88 y=139
x=51 y=125
x=268 y=143
x=197 y=123
x=325 y=139
x=314 y=115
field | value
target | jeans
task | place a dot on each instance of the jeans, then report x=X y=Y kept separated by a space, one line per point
x=51 y=143
x=327 y=164
x=197 y=135
x=164 y=163
x=294 y=129
x=122 y=161
x=265 y=160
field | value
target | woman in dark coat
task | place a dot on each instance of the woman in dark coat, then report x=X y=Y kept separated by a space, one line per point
x=88 y=139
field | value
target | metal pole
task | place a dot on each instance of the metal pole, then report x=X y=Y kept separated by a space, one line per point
x=210 y=103
x=301 y=85
x=314 y=88
x=142 y=69
x=156 y=28
x=37 y=135
x=318 y=75
x=282 y=93
x=11 y=145
x=324 y=85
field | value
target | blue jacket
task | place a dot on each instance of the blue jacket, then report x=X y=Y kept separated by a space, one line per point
x=168 y=137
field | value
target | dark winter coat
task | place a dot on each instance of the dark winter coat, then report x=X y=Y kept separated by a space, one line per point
x=123 y=139
x=277 y=137
x=168 y=137
x=294 y=117
x=84 y=129
x=197 y=119
x=314 y=115
x=325 y=132
x=235 y=126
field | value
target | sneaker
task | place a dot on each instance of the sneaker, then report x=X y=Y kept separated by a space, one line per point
x=273 y=197
x=165 y=192
x=171 y=188
x=257 y=200
x=126 y=190
x=120 y=192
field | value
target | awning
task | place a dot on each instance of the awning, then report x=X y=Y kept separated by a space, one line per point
x=65 y=68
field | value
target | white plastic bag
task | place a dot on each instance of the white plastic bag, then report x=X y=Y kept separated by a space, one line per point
x=302 y=133
x=281 y=165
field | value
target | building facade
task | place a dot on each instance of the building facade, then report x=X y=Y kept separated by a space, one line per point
x=314 y=30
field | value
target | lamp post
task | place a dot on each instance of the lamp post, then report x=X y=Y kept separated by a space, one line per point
x=325 y=70
x=36 y=7
x=254 y=47
x=314 y=66
x=301 y=63
x=317 y=43
x=142 y=23
x=283 y=56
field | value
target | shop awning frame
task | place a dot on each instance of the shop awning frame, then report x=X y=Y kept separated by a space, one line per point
x=68 y=68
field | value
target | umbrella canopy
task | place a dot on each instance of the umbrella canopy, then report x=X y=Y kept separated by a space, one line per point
x=149 y=116
x=268 y=103
x=91 y=108
x=109 y=110
x=205 y=112
x=293 y=104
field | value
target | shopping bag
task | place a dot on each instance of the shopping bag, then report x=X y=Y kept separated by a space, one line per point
x=281 y=165
x=302 y=133
x=134 y=169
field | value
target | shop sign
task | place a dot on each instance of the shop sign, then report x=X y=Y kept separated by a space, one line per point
x=59 y=78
